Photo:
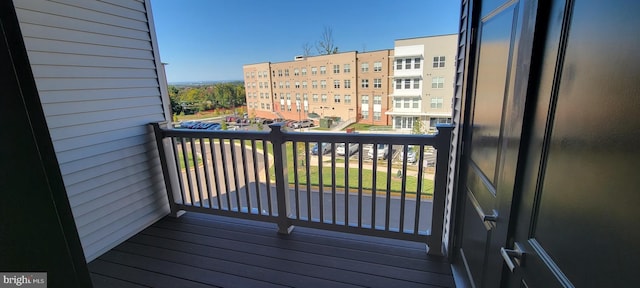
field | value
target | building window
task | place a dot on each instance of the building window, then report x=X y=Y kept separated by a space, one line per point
x=377 y=99
x=323 y=69
x=274 y=73
x=365 y=100
x=262 y=105
x=377 y=83
x=377 y=116
x=365 y=83
x=336 y=98
x=438 y=62
x=399 y=64
x=298 y=96
x=347 y=68
x=336 y=69
x=407 y=63
x=268 y=106
x=298 y=107
x=281 y=84
x=297 y=84
x=397 y=103
x=336 y=83
x=304 y=84
x=314 y=97
x=436 y=102
x=314 y=84
x=261 y=95
x=314 y=70
x=296 y=72
x=365 y=114
x=416 y=83
x=347 y=98
x=288 y=96
x=398 y=83
x=365 y=67
x=305 y=97
x=253 y=74
x=407 y=83
x=287 y=85
x=323 y=97
x=347 y=83
x=406 y=103
x=260 y=84
x=280 y=73
x=323 y=84
x=437 y=82
x=377 y=66
x=286 y=72
x=416 y=63
x=416 y=103
x=304 y=71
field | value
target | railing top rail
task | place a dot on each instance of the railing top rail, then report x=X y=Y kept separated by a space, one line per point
x=329 y=137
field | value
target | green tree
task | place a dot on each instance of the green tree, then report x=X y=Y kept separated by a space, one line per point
x=418 y=126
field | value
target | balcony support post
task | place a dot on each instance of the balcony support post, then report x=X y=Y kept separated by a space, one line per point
x=282 y=183
x=170 y=175
x=443 y=145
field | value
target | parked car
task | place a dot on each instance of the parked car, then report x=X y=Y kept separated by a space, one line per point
x=267 y=121
x=326 y=148
x=353 y=148
x=303 y=124
x=383 y=152
x=411 y=155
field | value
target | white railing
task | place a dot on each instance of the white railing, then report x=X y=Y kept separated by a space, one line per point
x=383 y=185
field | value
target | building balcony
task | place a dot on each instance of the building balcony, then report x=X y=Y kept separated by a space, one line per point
x=373 y=217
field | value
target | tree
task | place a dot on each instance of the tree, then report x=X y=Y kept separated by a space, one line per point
x=306 y=49
x=418 y=127
x=326 y=44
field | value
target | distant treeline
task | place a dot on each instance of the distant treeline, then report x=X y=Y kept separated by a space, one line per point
x=191 y=99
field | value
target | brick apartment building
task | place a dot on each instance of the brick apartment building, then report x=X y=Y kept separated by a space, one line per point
x=358 y=87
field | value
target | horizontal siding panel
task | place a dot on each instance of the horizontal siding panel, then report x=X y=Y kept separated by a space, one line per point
x=122 y=155
x=45 y=19
x=105 y=8
x=64 y=145
x=92 y=117
x=106 y=146
x=100 y=186
x=54 y=8
x=47 y=84
x=134 y=199
x=88 y=174
x=47 y=97
x=98 y=105
x=65 y=47
x=122 y=228
x=46 y=71
x=44 y=32
x=46 y=58
x=72 y=137
x=131 y=4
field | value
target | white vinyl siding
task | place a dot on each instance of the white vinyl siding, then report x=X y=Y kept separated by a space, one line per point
x=97 y=77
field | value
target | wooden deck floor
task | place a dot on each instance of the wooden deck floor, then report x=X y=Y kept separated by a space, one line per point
x=198 y=250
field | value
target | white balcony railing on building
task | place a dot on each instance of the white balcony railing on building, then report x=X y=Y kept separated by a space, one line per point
x=383 y=185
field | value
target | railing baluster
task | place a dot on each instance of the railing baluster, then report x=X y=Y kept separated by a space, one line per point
x=236 y=181
x=346 y=185
x=359 y=217
x=267 y=176
x=180 y=180
x=333 y=183
x=256 y=175
x=388 y=207
x=374 y=191
x=295 y=176
x=196 y=171
x=419 y=191
x=320 y=182
x=205 y=165
x=214 y=166
x=247 y=191
x=307 y=167
x=403 y=190
x=225 y=173
x=186 y=168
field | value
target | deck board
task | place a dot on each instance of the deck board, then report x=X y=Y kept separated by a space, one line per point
x=198 y=250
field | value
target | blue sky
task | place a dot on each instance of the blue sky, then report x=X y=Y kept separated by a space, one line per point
x=210 y=40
